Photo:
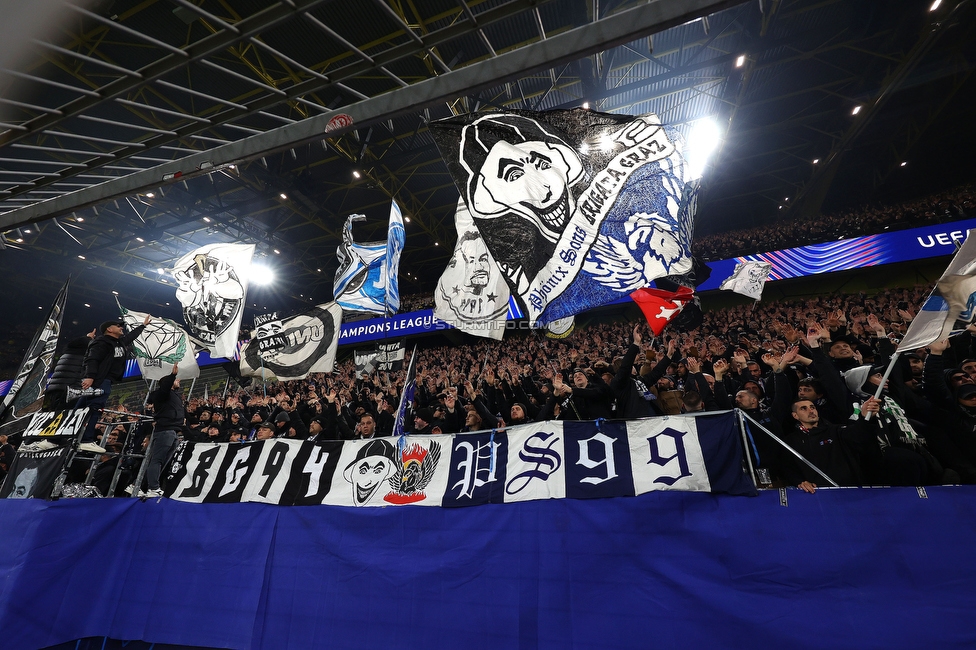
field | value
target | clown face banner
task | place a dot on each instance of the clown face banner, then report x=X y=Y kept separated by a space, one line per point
x=212 y=284
x=367 y=277
x=576 y=208
x=161 y=344
x=748 y=279
x=293 y=347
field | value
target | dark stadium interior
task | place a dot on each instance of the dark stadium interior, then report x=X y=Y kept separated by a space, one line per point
x=780 y=78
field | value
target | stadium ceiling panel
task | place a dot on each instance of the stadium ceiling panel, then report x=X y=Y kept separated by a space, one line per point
x=135 y=131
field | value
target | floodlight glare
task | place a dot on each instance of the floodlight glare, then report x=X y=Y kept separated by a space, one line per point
x=740 y=61
x=261 y=275
x=857 y=109
x=935 y=5
x=704 y=139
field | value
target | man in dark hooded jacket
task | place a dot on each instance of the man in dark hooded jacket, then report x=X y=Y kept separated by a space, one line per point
x=169 y=418
x=104 y=363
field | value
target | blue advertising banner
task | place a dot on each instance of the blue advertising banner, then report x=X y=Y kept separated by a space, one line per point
x=854 y=253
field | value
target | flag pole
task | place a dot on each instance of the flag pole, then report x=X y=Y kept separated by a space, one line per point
x=877 y=393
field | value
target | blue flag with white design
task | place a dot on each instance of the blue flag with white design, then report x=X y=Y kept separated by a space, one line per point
x=367 y=277
x=949 y=309
x=406 y=398
x=576 y=208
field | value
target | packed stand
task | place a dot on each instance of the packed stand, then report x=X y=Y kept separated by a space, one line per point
x=803 y=370
x=952 y=205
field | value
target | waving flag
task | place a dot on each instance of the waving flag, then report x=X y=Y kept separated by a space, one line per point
x=406 y=397
x=160 y=345
x=212 y=285
x=294 y=347
x=385 y=356
x=576 y=208
x=949 y=309
x=661 y=307
x=472 y=294
x=367 y=277
x=28 y=387
x=748 y=278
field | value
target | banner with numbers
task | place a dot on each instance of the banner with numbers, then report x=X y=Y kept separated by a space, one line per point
x=542 y=460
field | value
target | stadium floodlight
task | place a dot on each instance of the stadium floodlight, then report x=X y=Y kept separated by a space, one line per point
x=935 y=5
x=704 y=139
x=260 y=275
x=740 y=61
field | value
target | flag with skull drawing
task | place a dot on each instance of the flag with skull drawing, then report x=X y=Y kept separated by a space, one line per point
x=161 y=344
x=577 y=208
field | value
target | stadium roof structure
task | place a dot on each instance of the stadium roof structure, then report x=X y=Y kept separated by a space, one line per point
x=132 y=131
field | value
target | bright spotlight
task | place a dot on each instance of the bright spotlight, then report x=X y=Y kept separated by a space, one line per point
x=935 y=5
x=856 y=110
x=355 y=174
x=702 y=142
x=261 y=275
x=740 y=61
x=903 y=164
x=586 y=105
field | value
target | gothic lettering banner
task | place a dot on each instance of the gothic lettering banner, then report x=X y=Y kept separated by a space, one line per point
x=544 y=460
x=575 y=208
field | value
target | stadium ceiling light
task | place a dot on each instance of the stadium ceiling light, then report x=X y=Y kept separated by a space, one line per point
x=319 y=270
x=261 y=275
x=740 y=61
x=586 y=105
x=935 y=5
x=150 y=195
x=904 y=162
x=857 y=109
x=27 y=230
x=79 y=219
x=284 y=197
x=816 y=160
x=19 y=240
x=81 y=257
x=704 y=139
x=140 y=239
x=355 y=174
x=277 y=252
x=87 y=305
x=207 y=219
x=407 y=219
x=114 y=292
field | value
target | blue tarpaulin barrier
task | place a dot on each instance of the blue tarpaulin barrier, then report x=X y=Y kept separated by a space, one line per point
x=846 y=568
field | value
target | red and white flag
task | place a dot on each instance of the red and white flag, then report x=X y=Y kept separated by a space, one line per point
x=661 y=307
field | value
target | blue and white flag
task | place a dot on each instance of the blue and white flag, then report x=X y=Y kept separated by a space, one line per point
x=367 y=277
x=949 y=309
x=406 y=397
x=576 y=208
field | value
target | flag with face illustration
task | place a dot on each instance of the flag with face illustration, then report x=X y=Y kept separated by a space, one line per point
x=748 y=278
x=212 y=284
x=161 y=344
x=367 y=277
x=25 y=394
x=296 y=346
x=576 y=208
x=472 y=294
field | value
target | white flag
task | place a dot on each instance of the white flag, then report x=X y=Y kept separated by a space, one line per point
x=950 y=306
x=295 y=346
x=212 y=287
x=160 y=345
x=748 y=279
x=472 y=294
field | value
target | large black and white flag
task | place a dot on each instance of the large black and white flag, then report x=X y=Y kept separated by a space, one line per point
x=161 y=344
x=472 y=294
x=387 y=357
x=212 y=286
x=368 y=275
x=33 y=473
x=748 y=278
x=293 y=347
x=27 y=391
x=576 y=208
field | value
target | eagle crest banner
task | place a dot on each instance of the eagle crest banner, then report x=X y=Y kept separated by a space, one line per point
x=576 y=208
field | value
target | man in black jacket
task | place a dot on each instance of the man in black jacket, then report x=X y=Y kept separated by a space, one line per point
x=104 y=363
x=170 y=416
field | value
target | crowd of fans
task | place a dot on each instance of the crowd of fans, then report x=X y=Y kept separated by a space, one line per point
x=765 y=359
x=803 y=370
x=951 y=205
